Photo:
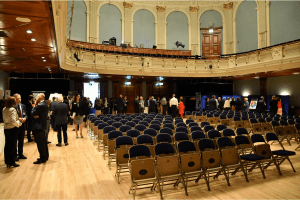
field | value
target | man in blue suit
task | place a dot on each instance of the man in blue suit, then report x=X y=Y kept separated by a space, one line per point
x=40 y=114
x=213 y=104
x=151 y=105
x=21 y=110
x=60 y=114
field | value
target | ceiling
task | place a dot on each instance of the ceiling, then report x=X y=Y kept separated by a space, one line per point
x=18 y=53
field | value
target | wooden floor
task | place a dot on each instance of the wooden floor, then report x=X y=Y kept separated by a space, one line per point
x=78 y=171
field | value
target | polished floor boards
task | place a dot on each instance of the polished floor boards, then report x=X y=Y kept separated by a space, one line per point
x=78 y=171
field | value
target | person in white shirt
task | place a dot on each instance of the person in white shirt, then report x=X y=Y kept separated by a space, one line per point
x=174 y=105
x=11 y=125
x=142 y=105
x=227 y=104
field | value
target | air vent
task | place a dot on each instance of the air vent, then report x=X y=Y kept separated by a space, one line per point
x=3 y=34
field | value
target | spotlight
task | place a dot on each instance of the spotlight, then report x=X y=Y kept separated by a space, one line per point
x=76 y=56
x=210 y=66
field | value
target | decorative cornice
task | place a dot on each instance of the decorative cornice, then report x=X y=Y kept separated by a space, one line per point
x=127 y=5
x=160 y=8
x=193 y=9
x=228 y=6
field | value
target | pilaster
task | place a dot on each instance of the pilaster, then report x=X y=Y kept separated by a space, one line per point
x=128 y=23
x=161 y=28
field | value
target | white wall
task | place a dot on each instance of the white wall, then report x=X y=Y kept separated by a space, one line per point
x=3 y=81
x=246 y=87
x=285 y=85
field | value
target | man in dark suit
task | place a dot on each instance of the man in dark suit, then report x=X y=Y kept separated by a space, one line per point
x=60 y=113
x=120 y=104
x=29 y=119
x=40 y=114
x=261 y=105
x=136 y=105
x=52 y=106
x=151 y=105
x=212 y=104
x=106 y=106
x=21 y=110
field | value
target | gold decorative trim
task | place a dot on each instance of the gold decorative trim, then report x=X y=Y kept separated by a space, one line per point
x=193 y=9
x=228 y=6
x=127 y=5
x=160 y=8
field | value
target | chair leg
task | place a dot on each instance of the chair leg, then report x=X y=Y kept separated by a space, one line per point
x=291 y=163
x=277 y=166
x=184 y=185
x=207 y=180
x=226 y=176
x=261 y=169
x=245 y=174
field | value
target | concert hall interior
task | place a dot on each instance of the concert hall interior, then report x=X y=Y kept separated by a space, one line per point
x=188 y=72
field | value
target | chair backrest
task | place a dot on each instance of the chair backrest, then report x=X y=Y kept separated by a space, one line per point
x=257 y=138
x=150 y=131
x=237 y=118
x=117 y=124
x=140 y=127
x=125 y=128
x=241 y=140
x=139 y=117
x=171 y=126
x=123 y=121
x=283 y=123
x=114 y=134
x=291 y=121
x=208 y=128
x=225 y=142
x=196 y=128
x=275 y=123
x=186 y=146
x=245 y=118
x=189 y=121
x=147 y=120
x=221 y=127
x=271 y=137
x=164 y=148
x=241 y=131
x=202 y=124
x=145 y=139
x=297 y=126
x=155 y=122
x=197 y=135
x=97 y=122
x=268 y=119
x=163 y=137
x=133 y=133
x=139 y=150
x=110 y=122
x=107 y=129
x=206 y=144
x=144 y=123
x=261 y=120
x=181 y=129
x=166 y=130
x=179 y=136
x=131 y=124
x=253 y=120
x=167 y=121
x=181 y=124
x=118 y=119
x=155 y=126
x=212 y=134
x=128 y=118
x=228 y=132
x=178 y=121
x=136 y=121
x=123 y=140
x=102 y=125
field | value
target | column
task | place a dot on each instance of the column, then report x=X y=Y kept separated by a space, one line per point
x=262 y=24
x=161 y=28
x=93 y=19
x=193 y=30
x=268 y=22
x=128 y=23
x=228 y=29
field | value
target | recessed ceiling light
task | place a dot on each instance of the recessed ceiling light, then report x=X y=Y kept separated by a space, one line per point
x=23 y=19
x=43 y=57
x=44 y=60
x=33 y=40
x=28 y=31
x=296 y=73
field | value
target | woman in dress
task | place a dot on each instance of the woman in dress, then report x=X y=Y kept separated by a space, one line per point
x=11 y=125
x=78 y=114
x=279 y=106
x=181 y=108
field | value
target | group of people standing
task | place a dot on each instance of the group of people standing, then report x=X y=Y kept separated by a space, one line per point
x=229 y=104
x=111 y=106
x=275 y=105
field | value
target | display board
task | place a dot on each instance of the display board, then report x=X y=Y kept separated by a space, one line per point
x=253 y=104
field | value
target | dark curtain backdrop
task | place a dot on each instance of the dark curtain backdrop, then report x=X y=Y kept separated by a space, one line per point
x=25 y=86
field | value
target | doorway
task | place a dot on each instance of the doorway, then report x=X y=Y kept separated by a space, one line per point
x=211 y=42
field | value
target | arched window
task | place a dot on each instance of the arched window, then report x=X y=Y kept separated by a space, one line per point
x=79 y=27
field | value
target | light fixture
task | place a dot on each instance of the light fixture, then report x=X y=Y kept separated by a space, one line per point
x=29 y=31
x=256 y=77
x=23 y=19
x=128 y=77
x=211 y=30
x=159 y=84
x=43 y=57
x=296 y=73
x=127 y=83
x=245 y=94
x=160 y=78
x=33 y=40
x=44 y=60
x=284 y=93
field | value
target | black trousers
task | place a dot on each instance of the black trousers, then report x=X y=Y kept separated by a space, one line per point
x=105 y=111
x=20 y=140
x=174 y=107
x=29 y=128
x=62 y=127
x=125 y=110
x=165 y=108
x=119 y=111
x=41 y=143
x=11 y=136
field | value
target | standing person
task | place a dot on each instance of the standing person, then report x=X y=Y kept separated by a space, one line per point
x=221 y=103
x=11 y=125
x=261 y=105
x=120 y=104
x=98 y=107
x=48 y=121
x=61 y=120
x=125 y=105
x=212 y=103
x=21 y=111
x=239 y=104
x=142 y=105
x=274 y=105
x=207 y=105
x=114 y=103
x=136 y=105
x=164 y=104
x=227 y=104
x=78 y=114
x=247 y=105
x=52 y=105
x=232 y=104
x=151 y=105
x=174 y=105
x=111 y=106
x=279 y=106
x=181 y=108
x=40 y=113
x=170 y=107
x=87 y=106
x=29 y=119
x=105 y=106
x=158 y=105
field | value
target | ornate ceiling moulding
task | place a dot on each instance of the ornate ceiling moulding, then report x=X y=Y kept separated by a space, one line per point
x=127 y=5
x=194 y=9
x=160 y=8
x=228 y=6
